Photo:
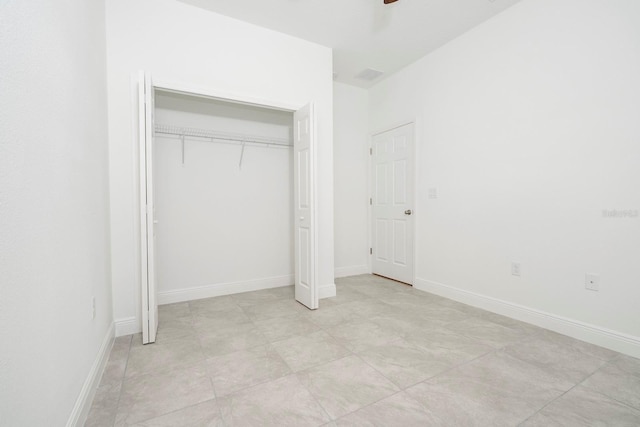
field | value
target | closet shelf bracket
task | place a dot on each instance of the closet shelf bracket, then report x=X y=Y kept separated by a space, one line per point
x=241 y=156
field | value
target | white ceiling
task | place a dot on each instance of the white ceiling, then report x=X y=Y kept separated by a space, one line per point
x=365 y=33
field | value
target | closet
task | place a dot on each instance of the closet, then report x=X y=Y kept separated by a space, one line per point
x=227 y=194
x=223 y=194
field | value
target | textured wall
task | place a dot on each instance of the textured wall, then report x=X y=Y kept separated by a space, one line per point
x=528 y=126
x=54 y=210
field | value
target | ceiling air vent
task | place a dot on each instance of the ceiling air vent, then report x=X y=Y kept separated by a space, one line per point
x=368 y=74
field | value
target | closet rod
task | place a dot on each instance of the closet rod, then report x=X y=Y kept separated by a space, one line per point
x=215 y=135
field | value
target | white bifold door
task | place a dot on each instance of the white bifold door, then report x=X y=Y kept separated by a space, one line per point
x=392 y=203
x=304 y=207
x=147 y=235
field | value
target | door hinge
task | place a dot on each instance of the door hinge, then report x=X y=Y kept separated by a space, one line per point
x=371 y=200
x=370 y=251
x=371 y=151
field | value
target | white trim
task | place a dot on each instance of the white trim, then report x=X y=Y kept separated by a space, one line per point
x=327 y=291
x=222 y=95
x=127 y=326
x=352 y=270
x=83 y=403
x=219 y=289
x=614 y=340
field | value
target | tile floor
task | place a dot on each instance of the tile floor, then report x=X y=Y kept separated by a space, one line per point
x=378 y=354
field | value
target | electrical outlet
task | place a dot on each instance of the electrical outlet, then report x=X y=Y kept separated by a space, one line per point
x=592 y=282
x=433 y=193
x=515 y=269
x=93 y=307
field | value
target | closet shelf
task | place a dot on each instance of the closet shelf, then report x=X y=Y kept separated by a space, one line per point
x=214 y=136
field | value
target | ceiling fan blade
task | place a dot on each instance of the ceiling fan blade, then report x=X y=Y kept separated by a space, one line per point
x=389 y=1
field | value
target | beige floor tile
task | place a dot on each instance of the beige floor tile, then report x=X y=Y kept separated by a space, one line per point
x=563 y=357
x=150 y=395
x=487 y=332
x=346 y=385
x=282 y=402
x=235 y=371
x=511 y=323
x=496 y=389
x=403 y=322
x=344 y=296
x=222 y=303
x=328 y=317
x=105 y=406
x=116 y=365
x=619 y=380
x=497 y=370
x=211 y=321
x=174 y=311
x=447 y=347
x=403 y=363
x=369 y=308
x=311 y=350
x=174 y=328
x=205 y=414
x=163 y=355
x=397 y=410
x=273 y=309
x=247 y=299
x=230 y=339
x=583 y=407
x=280 y=328
x=359 y=335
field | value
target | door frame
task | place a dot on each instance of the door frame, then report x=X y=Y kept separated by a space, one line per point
x=416 y=212
x=225 y=96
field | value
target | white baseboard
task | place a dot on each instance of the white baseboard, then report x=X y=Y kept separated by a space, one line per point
x=219 y=289
x=353 y=270
x=127 y=326
x=593 y=334
x=87 y=393
x=327 y=291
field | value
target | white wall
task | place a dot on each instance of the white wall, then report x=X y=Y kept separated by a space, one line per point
x=183 y=44
x=528 y=126
x=221 y=229
x=350 y=160
x=54 y=210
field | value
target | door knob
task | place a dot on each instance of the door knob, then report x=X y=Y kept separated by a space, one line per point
x=408 y=212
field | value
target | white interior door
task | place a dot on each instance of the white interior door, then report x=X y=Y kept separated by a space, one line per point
x=392 y=203
x=147 y=238
x=304 y=207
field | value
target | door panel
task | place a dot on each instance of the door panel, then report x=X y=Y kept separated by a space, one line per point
x=304 y=202
x=392 y=204
x=147 y=238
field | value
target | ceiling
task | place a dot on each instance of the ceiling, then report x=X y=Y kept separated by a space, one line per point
x=365 y=34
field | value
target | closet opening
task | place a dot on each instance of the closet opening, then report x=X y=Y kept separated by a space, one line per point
x=228 y=193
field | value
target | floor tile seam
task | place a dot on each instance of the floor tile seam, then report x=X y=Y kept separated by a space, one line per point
x=314 y=397
x=538 y=368
x=454 y=367
x=206 y=367
x=174 y=411
x=164 y=370
x=636 y=409
x=126 y=365
x=373 y=403
x=580 y=383
x=243 y=389
x=547 y=404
